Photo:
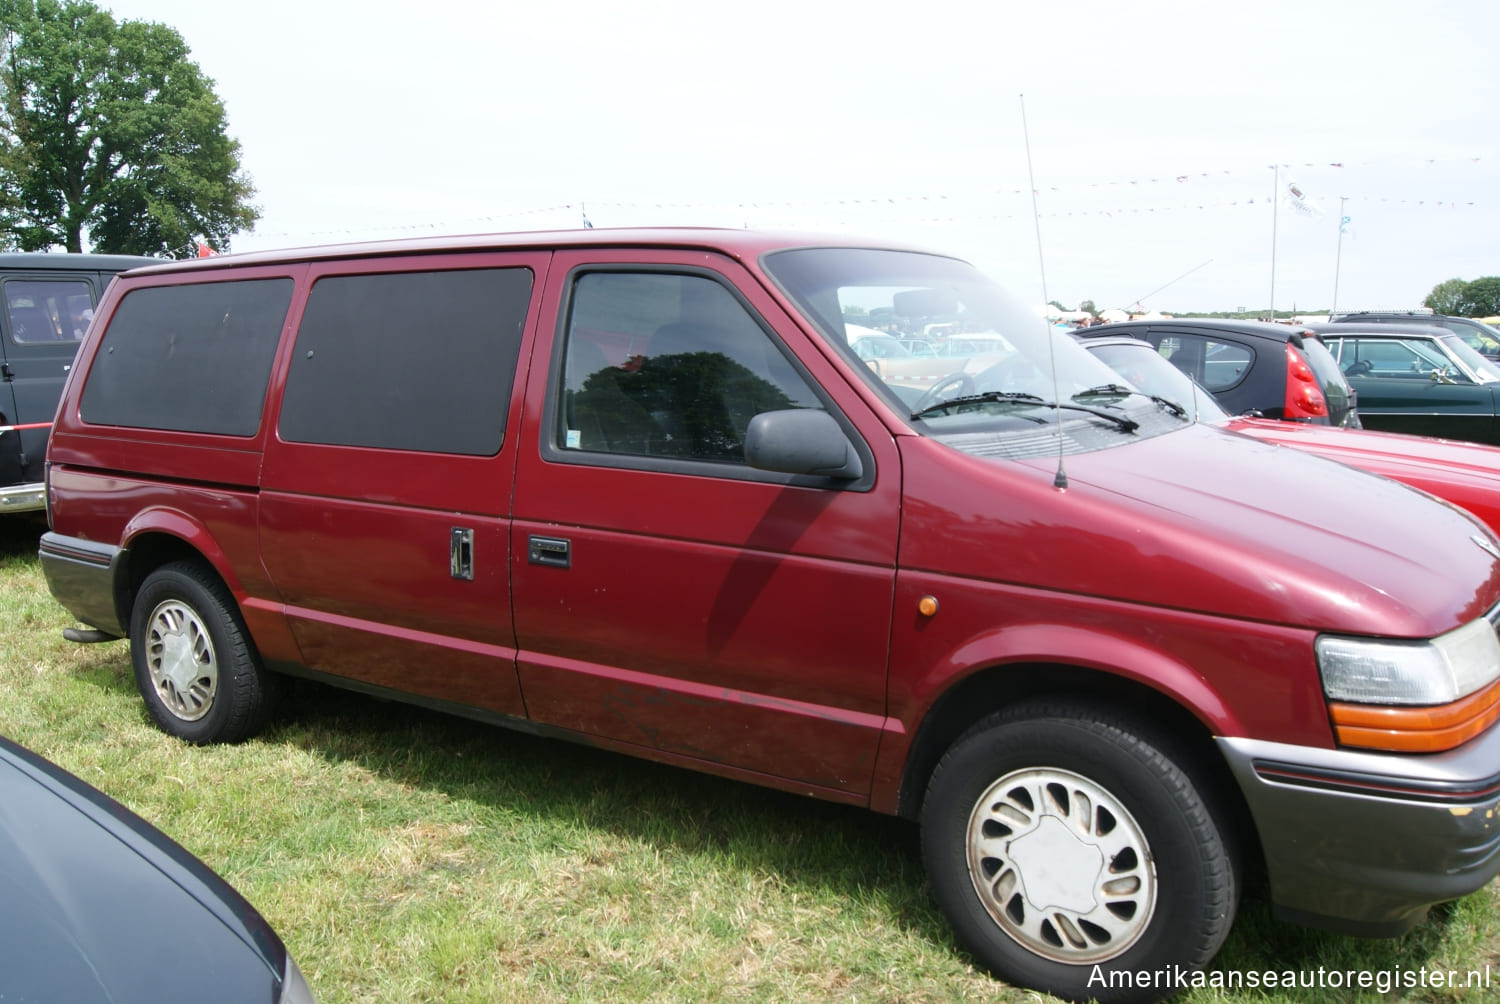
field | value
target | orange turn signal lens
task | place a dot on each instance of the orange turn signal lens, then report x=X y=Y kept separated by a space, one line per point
x=1431 y=729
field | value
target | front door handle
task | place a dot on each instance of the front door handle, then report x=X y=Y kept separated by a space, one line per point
x=554 y=552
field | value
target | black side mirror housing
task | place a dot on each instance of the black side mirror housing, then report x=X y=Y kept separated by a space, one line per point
x=801 y=441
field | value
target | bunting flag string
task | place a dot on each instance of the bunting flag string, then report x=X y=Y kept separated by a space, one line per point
x=951 y=208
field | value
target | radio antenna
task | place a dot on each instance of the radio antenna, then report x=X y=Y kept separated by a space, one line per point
x=1059 y=480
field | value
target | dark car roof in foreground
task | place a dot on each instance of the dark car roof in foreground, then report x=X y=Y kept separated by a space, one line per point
x=88 y=886
x=1255 y=329
x=744 y=245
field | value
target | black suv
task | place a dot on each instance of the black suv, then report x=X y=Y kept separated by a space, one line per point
x=46 y=303
x=1275 y=370
x=1481 y=337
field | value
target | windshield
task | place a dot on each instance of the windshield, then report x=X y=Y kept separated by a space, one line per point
x=1476 y=335
x=996 y=368
x=1484 y=371
x=1148 y=370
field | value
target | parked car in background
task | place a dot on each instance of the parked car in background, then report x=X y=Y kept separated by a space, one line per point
x=641 y=489
x=1466 y=474
x=942 y=365
x=1418 y=379
x=97 y=906
x=1279 y=371
x=46 y=303
x=1482 y=337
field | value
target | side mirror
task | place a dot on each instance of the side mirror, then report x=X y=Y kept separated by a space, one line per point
x=801 y=441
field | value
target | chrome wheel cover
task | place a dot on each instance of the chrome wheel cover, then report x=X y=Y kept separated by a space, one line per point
x=1061 y=866
x=180 y=657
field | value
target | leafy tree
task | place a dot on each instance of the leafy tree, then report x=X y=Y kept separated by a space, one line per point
x=1448 y=297
x=1088 y=305
x=110 y=130
x=1483 y=296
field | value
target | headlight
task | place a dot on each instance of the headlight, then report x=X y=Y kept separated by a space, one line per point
x=1440 y=671
x=1412 y=697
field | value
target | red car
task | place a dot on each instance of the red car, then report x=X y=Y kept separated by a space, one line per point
x=638 y=489
x=1466 y=474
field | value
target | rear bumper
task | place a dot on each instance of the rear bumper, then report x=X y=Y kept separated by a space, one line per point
x=28 y=497
x=1364 y=843
x=84 y=576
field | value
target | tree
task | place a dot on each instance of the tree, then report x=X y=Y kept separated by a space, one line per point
x=111 y=131
x=1447 y=297
x=1483 y=296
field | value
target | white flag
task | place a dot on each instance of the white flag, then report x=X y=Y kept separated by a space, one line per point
x=1297 y=199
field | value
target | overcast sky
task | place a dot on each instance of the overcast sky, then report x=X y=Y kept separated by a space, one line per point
x=1158 y=131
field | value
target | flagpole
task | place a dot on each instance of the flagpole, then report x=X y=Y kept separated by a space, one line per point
x=1275 y=198
x=1338 y=254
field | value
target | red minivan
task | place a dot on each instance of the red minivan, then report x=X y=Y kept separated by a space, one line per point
x=636 y=488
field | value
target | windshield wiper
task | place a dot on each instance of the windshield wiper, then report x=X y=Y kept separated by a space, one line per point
x=995 y=396
x=1116 y=390
x=1128 y=424
x=988 y=397
x=1106 y=389
x=1170 y=405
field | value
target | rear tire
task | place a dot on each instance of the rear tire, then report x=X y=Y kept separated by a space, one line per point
x=194 y=663
x=1065 y=843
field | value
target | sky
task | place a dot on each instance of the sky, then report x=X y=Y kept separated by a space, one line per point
x=1123 y=153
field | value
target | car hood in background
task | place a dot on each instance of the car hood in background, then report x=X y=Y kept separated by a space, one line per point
x=1466 y=474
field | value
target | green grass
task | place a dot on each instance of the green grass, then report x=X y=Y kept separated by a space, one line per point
x=408 y=856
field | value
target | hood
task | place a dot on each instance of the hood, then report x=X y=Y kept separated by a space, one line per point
x=1209 y=521
x=1464 y=474
x=100 y=906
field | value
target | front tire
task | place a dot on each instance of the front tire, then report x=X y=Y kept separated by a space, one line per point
x=1064 y=843
x=194 y=663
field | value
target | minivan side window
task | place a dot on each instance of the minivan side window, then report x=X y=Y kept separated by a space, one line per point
x=668 y=365
x=57 y=310
x=193 y=358
x=408 y=360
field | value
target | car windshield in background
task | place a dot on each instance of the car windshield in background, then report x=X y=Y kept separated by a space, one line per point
x=1483 y=369
x=996 y=367
x=1147 y=370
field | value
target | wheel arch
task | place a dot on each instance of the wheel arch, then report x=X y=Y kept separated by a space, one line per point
x=150 y=544
x=1157 y=715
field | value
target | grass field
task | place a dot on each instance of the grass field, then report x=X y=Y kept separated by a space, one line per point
x=407 y=856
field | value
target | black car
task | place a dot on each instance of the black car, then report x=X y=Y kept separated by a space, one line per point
x=1480 y=336
x=97 y=905
x=46 y=303
x=1419 y=379
x=1275 y=370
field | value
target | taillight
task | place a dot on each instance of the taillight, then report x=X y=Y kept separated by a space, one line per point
x=1304 y=398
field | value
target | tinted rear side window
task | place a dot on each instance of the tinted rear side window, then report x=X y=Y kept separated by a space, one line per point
x=407 y=360
x=193 y=358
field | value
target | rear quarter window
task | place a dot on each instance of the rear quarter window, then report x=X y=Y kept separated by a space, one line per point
x=190 y=358
x=407 y=360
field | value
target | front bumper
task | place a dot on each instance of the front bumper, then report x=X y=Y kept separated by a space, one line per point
x=1364 y=843
x=85 y=576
